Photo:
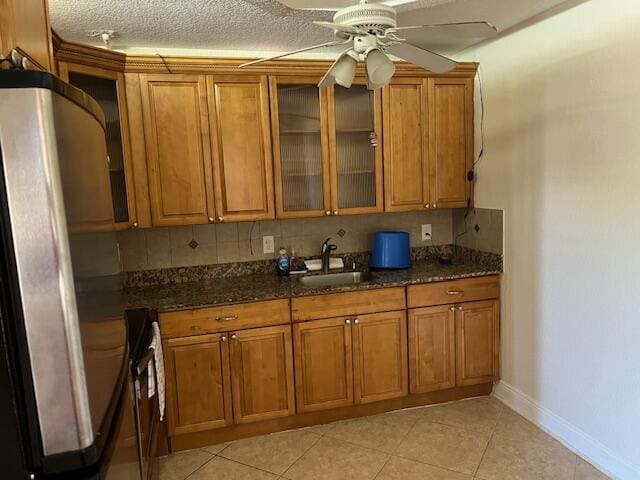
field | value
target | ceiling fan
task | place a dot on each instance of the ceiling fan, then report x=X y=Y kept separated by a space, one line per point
x=371 y=32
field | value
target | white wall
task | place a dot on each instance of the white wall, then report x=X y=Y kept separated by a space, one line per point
x=562 y=123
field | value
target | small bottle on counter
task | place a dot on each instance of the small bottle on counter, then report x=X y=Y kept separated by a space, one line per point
x=283 y=264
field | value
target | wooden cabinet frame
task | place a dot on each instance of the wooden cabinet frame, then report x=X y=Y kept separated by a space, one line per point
x=281 y=213
x=64 y=68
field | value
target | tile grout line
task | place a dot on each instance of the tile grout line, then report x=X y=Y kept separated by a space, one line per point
x=320 y=437
x=201 y=466
x=484 y=452
x=396 y=449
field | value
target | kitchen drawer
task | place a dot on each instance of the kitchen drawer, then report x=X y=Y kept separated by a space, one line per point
x=456 y=291
x=225 y=318
x=347 y=303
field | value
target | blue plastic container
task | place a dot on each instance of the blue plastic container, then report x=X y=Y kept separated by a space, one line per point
x=391 y=250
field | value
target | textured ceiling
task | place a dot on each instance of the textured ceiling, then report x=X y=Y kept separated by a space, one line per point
x=237 y=27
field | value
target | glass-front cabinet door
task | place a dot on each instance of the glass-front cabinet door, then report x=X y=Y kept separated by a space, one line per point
x=300 y=147
x=355 y=149
x=107 y=88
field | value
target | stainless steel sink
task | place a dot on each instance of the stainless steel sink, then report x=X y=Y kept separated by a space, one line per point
x=335 y=279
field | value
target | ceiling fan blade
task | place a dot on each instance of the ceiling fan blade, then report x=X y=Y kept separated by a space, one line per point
x=423 y=58
x=322 y=45
x=446 y=38
x=341 y=28
x=318 y=4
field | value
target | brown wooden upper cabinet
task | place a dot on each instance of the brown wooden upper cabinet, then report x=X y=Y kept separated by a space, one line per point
x=326 y=161
x=450 y=141
x=300 y=147
x=176 y=128
x=428 y=127
x=406 y=159
x=108 y=89
x=241 y=147
x=355 y=149
x=24 y=25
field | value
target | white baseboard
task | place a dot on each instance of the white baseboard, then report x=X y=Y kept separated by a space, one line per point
x=572 y=437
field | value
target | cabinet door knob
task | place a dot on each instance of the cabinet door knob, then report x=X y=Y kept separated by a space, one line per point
x=233 y=336
x=348 y=321
x=460 y=308
x=211 y=219
x=426 y=205
x=220 y=219
x=335 y=212
x=327 y=213
x=134 y=225
x=223 y=338
x=453 y=309
x=356 y=321
x=434 y=205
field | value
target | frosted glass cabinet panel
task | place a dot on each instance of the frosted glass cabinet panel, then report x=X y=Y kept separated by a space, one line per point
x=298 y=110
x=355 y=149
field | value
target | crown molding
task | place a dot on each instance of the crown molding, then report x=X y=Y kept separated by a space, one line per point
x=88 y=55
x=71 y=52
x=303 y=67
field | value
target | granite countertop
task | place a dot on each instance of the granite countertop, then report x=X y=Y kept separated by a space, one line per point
x=248 y=288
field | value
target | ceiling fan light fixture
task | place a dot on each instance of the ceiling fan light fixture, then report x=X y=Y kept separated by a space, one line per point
x=344 y=70
x=380 y=68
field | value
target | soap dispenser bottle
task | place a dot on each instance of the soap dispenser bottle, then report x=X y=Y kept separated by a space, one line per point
x=282 y=262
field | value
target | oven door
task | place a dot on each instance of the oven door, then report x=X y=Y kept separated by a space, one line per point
x=147 y=415
x=125 y=462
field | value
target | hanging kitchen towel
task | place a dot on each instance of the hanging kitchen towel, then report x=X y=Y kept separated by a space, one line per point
x=156 y=344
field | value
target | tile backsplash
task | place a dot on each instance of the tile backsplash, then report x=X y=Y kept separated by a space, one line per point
x=480 y=230
x=165 y=247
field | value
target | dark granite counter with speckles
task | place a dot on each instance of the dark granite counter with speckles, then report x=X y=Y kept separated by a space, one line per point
x=250 y=288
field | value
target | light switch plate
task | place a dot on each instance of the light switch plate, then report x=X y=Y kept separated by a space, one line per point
x=426 y=232
x=268 y=245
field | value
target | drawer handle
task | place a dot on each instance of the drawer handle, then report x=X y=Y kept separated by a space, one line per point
x=226 y=319
x=455 y=292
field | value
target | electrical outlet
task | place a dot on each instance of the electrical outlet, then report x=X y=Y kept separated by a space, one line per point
x=426 y=232
x=268 y=245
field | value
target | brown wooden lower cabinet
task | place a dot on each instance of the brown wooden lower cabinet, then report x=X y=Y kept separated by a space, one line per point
x=323 y=364
x=477 y=342
x=262 y=374
x=347 y=360
x=380 y=356
x=216 y=380
x=432 y=361
x=198 y=383
x=318 y=370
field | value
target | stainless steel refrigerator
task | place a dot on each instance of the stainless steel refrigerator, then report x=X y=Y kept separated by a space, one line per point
x=64 y=385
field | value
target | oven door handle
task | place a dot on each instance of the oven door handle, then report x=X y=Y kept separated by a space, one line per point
x=143 y=363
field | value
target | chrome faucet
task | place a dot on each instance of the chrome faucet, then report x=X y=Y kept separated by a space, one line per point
x=327 y=248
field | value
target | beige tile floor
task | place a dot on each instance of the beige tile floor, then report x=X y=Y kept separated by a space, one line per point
x=471 y=439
